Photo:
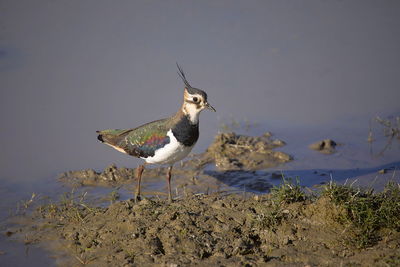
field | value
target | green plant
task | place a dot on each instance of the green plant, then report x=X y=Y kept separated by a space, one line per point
x=288 y=192
x=366 y=212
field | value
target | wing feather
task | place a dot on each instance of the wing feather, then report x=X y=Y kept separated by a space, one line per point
x=142 y=141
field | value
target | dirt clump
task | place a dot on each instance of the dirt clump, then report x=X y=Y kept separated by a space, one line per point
x=326 y=146
x=111 y=176
x=231 y=151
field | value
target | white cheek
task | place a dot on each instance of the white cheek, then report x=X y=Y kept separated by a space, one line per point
x=193 y=113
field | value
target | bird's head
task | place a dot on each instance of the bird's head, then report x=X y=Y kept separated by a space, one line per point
x=194 y=99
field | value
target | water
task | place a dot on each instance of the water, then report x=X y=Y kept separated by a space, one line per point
x=303 y=70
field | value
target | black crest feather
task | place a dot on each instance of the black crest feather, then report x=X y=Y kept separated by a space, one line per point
x=182 y=75
x=190 y=89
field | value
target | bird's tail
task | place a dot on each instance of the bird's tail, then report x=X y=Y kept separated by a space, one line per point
x=111 y=136
x=100 y=136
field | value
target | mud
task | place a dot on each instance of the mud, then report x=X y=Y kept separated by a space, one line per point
x=239 y=152
x=326 y=146
x=214 y=230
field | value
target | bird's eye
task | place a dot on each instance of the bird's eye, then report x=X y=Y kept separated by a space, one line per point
x=195 y=99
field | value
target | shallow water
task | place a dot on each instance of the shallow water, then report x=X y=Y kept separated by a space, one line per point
x=304 y=71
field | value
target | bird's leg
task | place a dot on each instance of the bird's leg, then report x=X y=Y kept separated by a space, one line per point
x=140 y=170
x=169 y=183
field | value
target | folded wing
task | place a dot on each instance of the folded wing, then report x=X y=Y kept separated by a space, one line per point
x=139 y=142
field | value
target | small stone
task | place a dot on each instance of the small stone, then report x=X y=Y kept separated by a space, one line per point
x=382 y=171
x=326 y=146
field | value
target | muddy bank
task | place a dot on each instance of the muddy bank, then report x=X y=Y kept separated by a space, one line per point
x=206 y=225
x=230 y=161
x=340 y=227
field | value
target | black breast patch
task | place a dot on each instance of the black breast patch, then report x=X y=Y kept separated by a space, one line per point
x=185 y=132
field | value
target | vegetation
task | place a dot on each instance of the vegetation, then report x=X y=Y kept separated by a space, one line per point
x=366 y=212
x=391 y=130
x=288 y=192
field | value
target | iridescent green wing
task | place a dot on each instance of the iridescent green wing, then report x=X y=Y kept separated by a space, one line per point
x=142 y=141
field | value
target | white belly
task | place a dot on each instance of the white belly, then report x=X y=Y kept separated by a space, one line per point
x=171 y=153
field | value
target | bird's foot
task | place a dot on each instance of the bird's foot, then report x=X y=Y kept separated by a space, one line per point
x=137 y=198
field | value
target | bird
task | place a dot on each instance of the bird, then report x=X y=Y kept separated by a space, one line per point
x=163 y=141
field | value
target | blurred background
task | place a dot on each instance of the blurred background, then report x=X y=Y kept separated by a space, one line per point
x=69 y=68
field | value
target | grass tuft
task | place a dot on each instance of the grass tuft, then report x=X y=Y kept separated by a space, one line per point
x=366 y=212
x=288 y=192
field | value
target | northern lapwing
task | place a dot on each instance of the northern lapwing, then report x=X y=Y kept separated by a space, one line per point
x=164 y=141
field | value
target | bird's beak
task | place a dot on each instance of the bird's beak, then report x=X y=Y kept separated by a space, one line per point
x=210 y=107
